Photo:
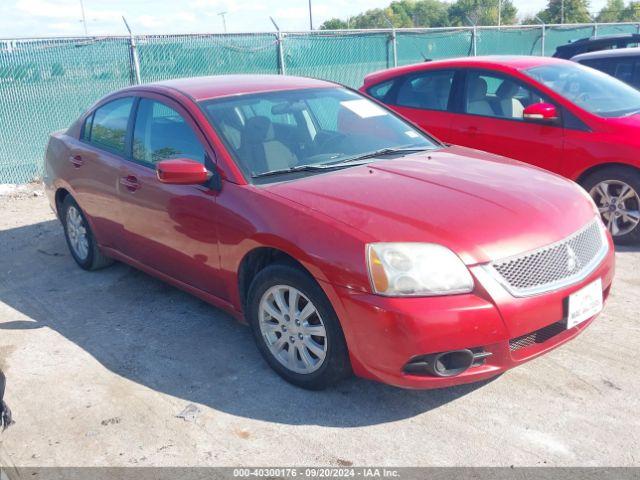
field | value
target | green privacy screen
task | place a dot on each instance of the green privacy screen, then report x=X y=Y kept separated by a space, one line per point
x=46 y=83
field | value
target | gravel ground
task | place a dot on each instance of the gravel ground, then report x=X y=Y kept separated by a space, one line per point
x=116 y=368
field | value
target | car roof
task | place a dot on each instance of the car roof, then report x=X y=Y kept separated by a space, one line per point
x=206 y=88
x=616 y=52
x=492 y=62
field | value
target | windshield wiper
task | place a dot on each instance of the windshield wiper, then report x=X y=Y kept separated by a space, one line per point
x=381 y=153
x=340 y=163
x=297 y=168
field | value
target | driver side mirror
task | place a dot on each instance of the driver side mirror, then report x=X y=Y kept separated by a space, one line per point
x=182 y=171
x=541 y=112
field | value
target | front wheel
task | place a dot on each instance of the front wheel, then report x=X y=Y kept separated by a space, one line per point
x=296 y=328
x=616 y=192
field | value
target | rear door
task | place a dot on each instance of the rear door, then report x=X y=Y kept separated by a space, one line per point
x=425 y=98
x=491 y=119
x=170 y=228
x=96 y=160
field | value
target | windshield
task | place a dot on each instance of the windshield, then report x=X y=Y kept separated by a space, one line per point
x=269 y=132
x=590 y=89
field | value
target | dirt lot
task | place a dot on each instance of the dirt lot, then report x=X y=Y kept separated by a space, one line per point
x=101 y=366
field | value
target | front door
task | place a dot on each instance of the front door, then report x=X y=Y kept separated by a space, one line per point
x=171 y=228
x=491 y=120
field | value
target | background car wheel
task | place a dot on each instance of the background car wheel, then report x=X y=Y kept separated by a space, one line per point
x=616 y=191
x=80 y=239
x=296 y=328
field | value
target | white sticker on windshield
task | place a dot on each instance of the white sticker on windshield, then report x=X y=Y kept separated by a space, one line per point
x=364 y=108
x=411 y=133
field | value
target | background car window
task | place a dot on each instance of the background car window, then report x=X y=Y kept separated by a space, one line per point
x=428 y=90
x=161 y=133
x=590 y=89
x=109 y=129
x=380 y=91
x=497 y=96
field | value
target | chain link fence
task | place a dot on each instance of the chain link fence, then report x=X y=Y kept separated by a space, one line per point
x=46 y=83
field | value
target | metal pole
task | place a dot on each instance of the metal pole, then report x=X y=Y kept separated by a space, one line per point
x=310 y=17
x=224 y=21
x=562 y=11
x=474 y=36
x=135 y=61
x=84 y=19
x=280 y=45
x=544 y=33
x=595 y=29
x=499 y=12
x=394 y=43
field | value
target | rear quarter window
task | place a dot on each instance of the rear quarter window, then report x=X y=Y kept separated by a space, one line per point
x=109 y=126
x=380 y=91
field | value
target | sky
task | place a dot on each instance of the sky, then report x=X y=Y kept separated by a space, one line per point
x=38 y=18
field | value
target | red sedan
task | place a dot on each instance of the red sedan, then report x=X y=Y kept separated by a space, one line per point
x=556 y=114
x=346 y=238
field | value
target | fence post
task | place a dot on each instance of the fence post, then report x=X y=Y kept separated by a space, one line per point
x=544 y=33
x=134 y=60
x=280 y=47
x=474 y=39
x=394 y=45
x=595 y=29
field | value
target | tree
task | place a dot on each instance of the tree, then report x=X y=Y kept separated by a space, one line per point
x=611 y=12
x=482 y=12
x=631 y=13
x=334 y=24
x=401 y=14
x=575 y=11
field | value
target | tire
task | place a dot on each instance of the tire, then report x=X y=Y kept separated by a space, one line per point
x=626 y=230
x=309 y=369
x=88 y=256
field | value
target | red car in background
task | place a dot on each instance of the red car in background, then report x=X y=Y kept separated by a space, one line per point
x=552 y=113
x=344 y=236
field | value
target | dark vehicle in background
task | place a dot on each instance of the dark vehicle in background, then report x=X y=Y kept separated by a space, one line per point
x=593 y=44
x=623 y=63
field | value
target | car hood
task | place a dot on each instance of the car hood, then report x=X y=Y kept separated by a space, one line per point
x=482 y=206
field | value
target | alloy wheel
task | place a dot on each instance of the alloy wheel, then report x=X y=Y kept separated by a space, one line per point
x=292 y=329
x=619 y=205
x=77 y=232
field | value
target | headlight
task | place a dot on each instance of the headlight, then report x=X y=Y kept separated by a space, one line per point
x=416 y=269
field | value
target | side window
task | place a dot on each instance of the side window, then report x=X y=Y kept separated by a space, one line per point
x=380 y=90
x=429 y=90
x=497 y=96
x=160 y=133
x=109 y=128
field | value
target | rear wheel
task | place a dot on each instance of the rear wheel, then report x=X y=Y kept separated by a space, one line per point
x=80 y=239
x=616 y=192
x=296 y=328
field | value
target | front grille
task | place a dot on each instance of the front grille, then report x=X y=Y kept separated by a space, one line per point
x=539 y=336
x=554 y=266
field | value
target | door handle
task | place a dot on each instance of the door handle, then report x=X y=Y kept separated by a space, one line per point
x=76 y=161
x=472 y=131
x=130 y=183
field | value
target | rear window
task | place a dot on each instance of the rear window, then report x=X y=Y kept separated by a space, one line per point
x=109 y=127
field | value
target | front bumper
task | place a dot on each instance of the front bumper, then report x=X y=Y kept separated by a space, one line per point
x=385 y=333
